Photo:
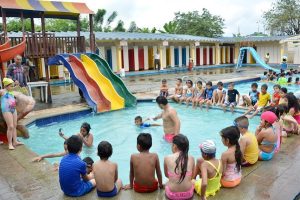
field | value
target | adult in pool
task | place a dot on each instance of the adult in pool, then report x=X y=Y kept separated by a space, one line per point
x=9 y=112
x=171 y=122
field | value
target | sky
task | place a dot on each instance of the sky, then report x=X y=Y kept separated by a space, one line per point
x=242 y=15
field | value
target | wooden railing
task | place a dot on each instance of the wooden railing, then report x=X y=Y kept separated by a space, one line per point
x=37 y=47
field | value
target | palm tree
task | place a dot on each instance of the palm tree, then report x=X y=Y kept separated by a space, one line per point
x=100 y=19
x=170 y=27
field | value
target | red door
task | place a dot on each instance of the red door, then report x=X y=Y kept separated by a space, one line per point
x=211 y=56
x=197 y=56
x=122 y=56
x=131 y=59
x=231 y=54
x=141 y=59
x=204 y=56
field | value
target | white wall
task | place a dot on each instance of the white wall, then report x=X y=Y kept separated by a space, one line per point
x=272 y=48
x=297 y=55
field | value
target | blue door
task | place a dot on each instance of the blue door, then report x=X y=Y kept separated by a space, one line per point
x=184 y=56
x=109 y=57
x=176 y=54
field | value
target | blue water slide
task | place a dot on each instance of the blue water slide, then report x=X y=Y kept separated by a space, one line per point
x=63 y=60
x=256 y=57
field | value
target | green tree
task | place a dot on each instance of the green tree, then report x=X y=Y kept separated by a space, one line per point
x=16 y=25
x=101 y=24
x=283 y=18
x=84 y=24
x=132 y=27
x=60 y=25
x=147 y=30
x=170 y=27
x=119 y=27
x=204 y=24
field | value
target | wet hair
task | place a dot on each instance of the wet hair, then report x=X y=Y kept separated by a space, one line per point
x=231 y=83
x=89 y=161
x=281 y=109
x=180 y=80
x=164 y=80
x=292 y=102
x=254 y=85
x=297 y=79
x=190 y=82
x=290 y=79
x=278 y=86
x=138 y=118
x=182 y=144
x=104 y=150
x=282 y=74
x=265 y=73
x=271 y=78
x=162 y=100
x=145 y=141
x=264 y=86
x=274 y=73
x=199 y=82
x=74 y=144
x=270 y=70
x=86 y=126
x=220 y=83
x=209 y=83
x=232 y=134
x=242 y=121
x=284 y=90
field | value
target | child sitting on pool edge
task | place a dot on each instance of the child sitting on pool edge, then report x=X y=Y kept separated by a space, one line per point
x=73 y=177
x=232 y=98
x=178 y=91
x=164 y=90
x=143 y=166
x=209 y=169
x=138 y=120
x=106 y=172
x=208 y=95
x=252 y=99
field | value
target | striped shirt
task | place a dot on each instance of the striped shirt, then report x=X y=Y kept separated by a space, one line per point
x=16 y=72
x=71 y=169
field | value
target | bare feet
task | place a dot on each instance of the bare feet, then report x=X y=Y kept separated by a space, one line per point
x=18 y=143
x=11 y=147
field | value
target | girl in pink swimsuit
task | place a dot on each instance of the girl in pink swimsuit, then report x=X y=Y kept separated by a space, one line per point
x=178 y=168
x=232 y=158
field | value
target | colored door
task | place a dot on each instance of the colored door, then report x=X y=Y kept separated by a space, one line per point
x=176 y=55
x=211 y=62
x=204 y=56
x=231 y=55
x=122 y=58
x=141 y=59
x=184 y=56
x=131 y=59
x=198 y=56
x=168 y=57
x=150 y=58
x=109 y=57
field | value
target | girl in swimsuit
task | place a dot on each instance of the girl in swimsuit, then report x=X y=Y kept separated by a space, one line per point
x=188 y=93
x=232 y=158
x=266 y=136
x=178 y=168
x=9 y=112
x=198 y=95
x=293 y=107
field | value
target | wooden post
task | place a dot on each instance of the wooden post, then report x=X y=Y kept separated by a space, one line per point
x=4 y=27
x=46 y=56
x=92 y=41
x=79 y=47
x=32 y=24
x=22 y=22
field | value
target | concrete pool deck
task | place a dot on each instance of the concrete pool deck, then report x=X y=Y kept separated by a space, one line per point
x=22 y=179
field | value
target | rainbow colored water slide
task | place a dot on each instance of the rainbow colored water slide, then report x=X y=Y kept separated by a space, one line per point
x=7 y=52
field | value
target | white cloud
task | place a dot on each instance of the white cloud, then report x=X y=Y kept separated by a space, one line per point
x=154 y=13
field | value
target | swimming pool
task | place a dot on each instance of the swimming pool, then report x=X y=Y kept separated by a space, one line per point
x=118 y=128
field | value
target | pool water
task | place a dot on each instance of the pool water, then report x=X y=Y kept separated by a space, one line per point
x=118 y=128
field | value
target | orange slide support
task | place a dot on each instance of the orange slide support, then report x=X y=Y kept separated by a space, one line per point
x=8 y=53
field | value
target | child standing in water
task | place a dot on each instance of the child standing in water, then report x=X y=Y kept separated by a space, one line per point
x=143 y=166
x=164 y=90
x=106 y=172
x=9 y=112
x=188 y=93
x=178 y=168
x=198 y=95
x=209 y=169
x=178 y=90
x=208 y=95
x=231 y=158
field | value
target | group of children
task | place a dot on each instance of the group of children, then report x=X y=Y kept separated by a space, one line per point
x=281 y=78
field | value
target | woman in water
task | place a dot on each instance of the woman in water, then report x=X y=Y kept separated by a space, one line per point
x=266 y=136
x=9 y=112
x=231 y=158
x=178 y=168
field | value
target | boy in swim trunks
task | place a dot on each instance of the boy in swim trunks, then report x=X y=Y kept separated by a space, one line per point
x=208 y=95
x=106 y=172
x=138 y=120
x=219 y=94
x=264 y=99
x=164 y=90
x=178 y=90
x=143 y=166
x=73 y=177
x=248 y=142
x=252 y=99
x=209 y=169
x=232 y=98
